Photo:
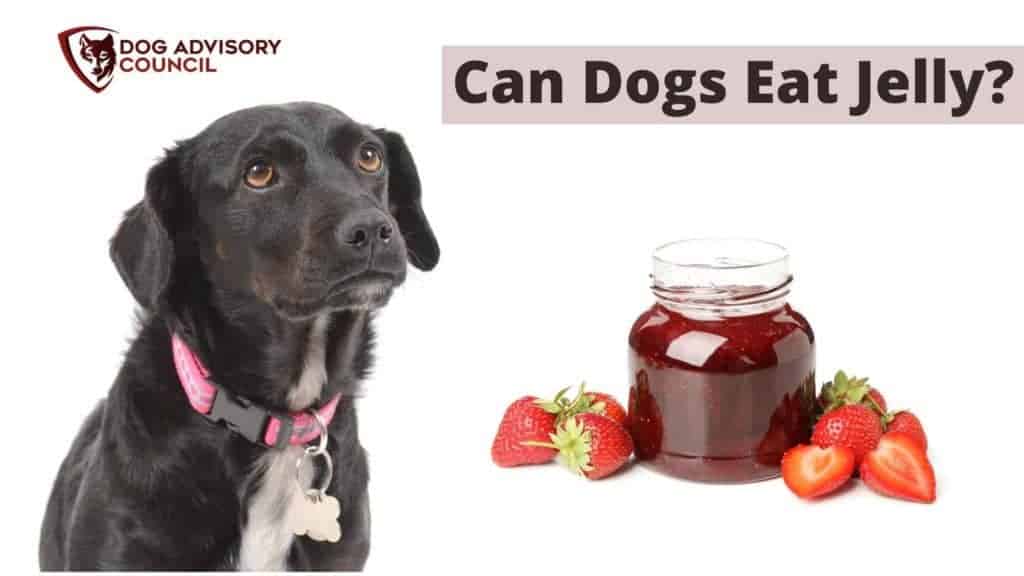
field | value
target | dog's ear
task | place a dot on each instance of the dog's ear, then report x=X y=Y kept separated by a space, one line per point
x=143 y=247
x=83 y=41
x=404 y=202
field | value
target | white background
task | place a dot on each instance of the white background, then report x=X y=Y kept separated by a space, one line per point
x=905 y=243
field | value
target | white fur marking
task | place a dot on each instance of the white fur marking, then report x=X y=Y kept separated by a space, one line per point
x=266 y=536
x=314 y=369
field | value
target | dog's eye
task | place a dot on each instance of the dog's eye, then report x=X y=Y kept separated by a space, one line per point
x=369 y=159
x=259 y=174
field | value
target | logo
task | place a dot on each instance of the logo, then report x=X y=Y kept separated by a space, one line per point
x=91 y=55
x=95 y=54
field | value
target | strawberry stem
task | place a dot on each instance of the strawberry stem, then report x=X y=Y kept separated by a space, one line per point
x=579 y=397
x=568 y=408
x=874 y=405
x=887 y=419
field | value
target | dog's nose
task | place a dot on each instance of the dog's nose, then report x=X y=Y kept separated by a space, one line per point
x=364 y=228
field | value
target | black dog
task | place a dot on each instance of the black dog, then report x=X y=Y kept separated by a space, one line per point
x=263 y=244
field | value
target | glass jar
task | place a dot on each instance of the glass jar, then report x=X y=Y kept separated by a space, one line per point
x=721 y=367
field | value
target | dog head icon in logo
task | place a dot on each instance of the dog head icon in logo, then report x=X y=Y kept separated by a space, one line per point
x=90 y=52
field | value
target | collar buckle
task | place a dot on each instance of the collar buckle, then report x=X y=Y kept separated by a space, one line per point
x=241 y=416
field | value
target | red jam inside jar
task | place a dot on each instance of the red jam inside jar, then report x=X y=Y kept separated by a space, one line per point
x=722 y=367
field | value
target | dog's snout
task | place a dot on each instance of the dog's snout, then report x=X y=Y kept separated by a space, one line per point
x=364 y=228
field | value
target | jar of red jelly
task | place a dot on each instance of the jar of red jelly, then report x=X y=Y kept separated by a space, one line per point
x=721 y=367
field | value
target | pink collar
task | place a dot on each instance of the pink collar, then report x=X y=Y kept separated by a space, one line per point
x=256 y=424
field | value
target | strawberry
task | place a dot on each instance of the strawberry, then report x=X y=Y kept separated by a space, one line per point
x=899 y=468
x=855 y=426
x=526 y=419
x=905 y=421
x=606 y=405
x=844 y=391
x=591 y=445
x=812 y=471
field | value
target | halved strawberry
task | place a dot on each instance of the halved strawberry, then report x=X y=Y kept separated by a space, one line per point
x=899 y=468
x=813 y=471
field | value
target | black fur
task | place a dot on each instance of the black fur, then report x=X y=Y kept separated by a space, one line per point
x=239 y=274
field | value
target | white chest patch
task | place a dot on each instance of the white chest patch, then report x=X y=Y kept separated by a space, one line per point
x=266 y=536
x=314 y=370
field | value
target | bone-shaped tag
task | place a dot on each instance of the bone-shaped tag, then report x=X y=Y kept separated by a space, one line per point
x=316 y=517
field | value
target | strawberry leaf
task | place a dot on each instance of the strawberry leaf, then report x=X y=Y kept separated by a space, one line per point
x=846 y=390
x=573 y=443
x=561 y=393
x=855 y=394
x=840 y=379
x=549 y=406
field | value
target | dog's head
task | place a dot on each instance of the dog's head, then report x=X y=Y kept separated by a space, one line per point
x=297 y=206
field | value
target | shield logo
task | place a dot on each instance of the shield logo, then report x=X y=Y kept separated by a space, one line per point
x=91 y=53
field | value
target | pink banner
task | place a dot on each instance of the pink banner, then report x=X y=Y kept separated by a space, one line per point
x=732 y=84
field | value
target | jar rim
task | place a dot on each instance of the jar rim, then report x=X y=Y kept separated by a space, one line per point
x=711 y=277
x=778 y=251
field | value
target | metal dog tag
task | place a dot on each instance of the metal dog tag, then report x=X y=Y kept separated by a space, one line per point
x=316 y=514
x=317 y=517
